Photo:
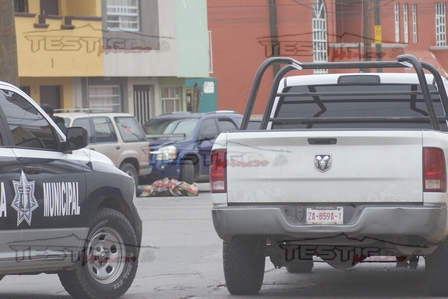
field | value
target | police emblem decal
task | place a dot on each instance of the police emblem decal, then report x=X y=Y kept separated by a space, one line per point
x=322 y=162
x=24 y=201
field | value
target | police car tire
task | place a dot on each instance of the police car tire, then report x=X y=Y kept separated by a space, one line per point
x=244 y=262
x=436 y=270
x=81 y=282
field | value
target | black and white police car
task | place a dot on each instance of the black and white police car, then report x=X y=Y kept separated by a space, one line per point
x=63 y=209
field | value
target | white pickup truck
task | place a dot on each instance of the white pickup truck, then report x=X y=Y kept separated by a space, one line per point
x=345 y=166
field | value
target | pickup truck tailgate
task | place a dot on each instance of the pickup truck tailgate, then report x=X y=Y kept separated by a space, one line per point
x=331 y=166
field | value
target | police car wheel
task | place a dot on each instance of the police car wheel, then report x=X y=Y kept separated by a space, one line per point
x=108 y=264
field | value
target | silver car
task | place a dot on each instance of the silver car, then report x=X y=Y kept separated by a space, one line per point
x=119 y=136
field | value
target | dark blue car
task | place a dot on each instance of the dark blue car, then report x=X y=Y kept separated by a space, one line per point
x=181 y=143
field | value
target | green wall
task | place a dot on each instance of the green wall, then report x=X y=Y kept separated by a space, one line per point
x=192 y=38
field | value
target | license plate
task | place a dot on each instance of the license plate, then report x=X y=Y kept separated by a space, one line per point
x=325 y=215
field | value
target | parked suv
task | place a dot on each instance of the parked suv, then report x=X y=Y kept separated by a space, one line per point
x=181 y=143
x=64 y=209
x=119 y=136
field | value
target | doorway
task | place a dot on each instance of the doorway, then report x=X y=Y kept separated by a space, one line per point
x=143 y=103
x=50 y=94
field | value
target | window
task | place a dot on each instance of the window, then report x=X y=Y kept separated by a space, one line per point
x=334 y=102
x=319 y=34
x=414 y=23
x=82 y=122
x=130 y=129
x=210 y=53
x=405 y=23
x=397 y=22
x=104 y=131
x=123 y=15
x=20 y=5
x=227 y=125
x=184 y=127
x=208 y=129
x=440 y=24
x=105 y=97
x=28 y=127
x=170 y=99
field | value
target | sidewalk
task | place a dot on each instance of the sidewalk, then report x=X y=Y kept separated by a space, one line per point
x=204 y=187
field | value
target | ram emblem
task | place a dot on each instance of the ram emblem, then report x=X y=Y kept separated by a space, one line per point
x=322 y=162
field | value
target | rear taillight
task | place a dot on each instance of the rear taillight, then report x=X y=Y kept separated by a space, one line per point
x=434 y=170
x=218 y=166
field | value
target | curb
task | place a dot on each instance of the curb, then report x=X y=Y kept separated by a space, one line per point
x=203 y=187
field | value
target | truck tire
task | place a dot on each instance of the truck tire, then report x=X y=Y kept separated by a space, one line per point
x=300 y=267
x=108 y=263
x=244 y=261
x=436 y=270
x=187 y=171
x=130 y=170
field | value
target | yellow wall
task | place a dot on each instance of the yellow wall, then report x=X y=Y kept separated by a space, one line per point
x=35 y=83
x=71 y=7
x=34 y=7
x=53 y=56
x=80 y=8
x=56 y=52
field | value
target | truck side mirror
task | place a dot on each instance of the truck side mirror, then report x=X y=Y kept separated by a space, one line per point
x=76 y=138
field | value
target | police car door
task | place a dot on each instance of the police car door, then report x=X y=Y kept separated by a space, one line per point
x=9 y=172
x=46 y=192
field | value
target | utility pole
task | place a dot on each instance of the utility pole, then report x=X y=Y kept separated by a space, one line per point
x=273 y=32
x=367 y=39
x=378 y=37
x=9 y=69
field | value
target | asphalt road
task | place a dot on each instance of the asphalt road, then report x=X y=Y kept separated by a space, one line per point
x=181 y=258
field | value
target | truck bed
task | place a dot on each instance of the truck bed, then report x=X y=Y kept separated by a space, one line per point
x=344 y=166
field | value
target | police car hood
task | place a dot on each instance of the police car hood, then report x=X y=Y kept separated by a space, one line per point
x=93 y=156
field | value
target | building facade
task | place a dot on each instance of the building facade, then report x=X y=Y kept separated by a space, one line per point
x=245 y=33
x=120 y=55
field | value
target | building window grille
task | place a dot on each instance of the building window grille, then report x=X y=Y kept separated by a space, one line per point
x=107 y=98
x=414 y=23
x=405 y=23
x=319 y=35
x=170 y=99
x=123 y=15
x=440 y=24
x=397 y=22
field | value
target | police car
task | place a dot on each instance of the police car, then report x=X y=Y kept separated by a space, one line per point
x=63 y=209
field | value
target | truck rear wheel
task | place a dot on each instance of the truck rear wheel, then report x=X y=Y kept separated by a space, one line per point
x=109 y=261
x=300 y=267
x=436 y=270
x=244 y=262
